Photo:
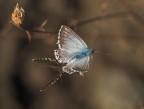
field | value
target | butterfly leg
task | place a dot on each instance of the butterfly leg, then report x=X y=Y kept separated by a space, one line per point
x=81 y=74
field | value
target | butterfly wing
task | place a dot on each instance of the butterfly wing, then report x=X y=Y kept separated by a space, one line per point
x=81 y=65
x=69 y=43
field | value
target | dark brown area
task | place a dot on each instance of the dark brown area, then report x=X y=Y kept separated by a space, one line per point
x=109 y=26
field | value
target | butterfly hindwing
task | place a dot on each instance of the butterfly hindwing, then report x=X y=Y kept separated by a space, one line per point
x=81 y=65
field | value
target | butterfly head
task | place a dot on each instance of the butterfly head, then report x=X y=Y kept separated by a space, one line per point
x=93 y=51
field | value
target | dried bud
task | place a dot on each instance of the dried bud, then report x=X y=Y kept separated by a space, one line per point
x=17 y=17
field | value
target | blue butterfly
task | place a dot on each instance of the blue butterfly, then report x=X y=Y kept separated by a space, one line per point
x=72 y=55
x=72 y=52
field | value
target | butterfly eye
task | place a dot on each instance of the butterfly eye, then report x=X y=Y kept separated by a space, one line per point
x=93 y=51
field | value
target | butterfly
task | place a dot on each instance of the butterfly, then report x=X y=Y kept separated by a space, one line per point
x=72 y=52
x=72 y=55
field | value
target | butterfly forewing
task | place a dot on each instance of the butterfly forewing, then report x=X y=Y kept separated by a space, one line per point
x=67 y=38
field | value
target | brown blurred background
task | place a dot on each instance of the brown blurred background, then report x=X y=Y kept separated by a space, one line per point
x=113 y=82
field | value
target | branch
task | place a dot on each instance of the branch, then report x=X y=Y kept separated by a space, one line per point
x=131 y=11
x=107 y=16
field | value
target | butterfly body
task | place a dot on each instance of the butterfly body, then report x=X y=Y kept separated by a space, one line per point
x=82 y=54
x=72 y=51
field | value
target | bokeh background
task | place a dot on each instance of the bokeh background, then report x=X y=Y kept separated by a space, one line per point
x=112 y=82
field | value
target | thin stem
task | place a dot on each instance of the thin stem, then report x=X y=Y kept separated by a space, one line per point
x=107 y=16
x=132 y=11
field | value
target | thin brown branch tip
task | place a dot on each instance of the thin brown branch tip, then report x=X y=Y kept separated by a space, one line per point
x=17 y=16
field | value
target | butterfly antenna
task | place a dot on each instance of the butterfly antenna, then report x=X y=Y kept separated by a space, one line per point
x=99 y=51
x=102 y=52
x=52 y=81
